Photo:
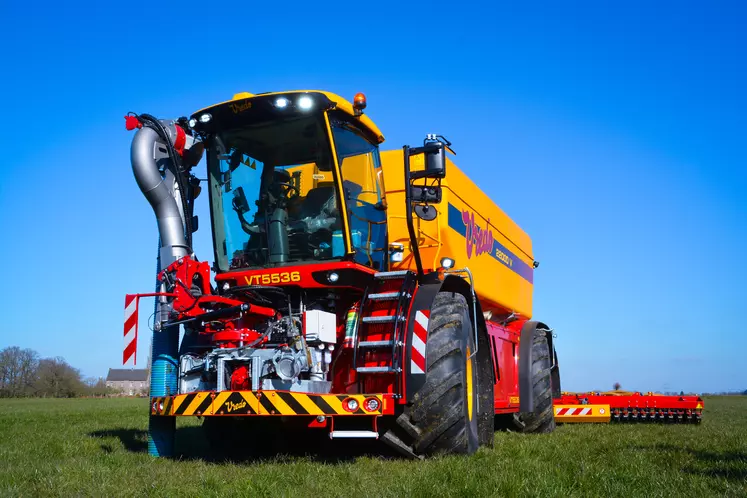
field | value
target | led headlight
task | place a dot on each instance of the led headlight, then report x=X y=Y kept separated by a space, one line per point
x=305 y=103
x=447 y=263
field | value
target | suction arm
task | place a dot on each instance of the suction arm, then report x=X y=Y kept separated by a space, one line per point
x=163 y=199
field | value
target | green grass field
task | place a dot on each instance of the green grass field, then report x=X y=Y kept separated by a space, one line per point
x=97 y=447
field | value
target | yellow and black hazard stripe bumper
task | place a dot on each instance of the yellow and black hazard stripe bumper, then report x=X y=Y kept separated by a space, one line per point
x=267 y=403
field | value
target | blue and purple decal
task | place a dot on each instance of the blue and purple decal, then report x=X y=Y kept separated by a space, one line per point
x=481 y=240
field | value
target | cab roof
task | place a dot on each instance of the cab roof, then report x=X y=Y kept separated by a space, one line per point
x=337 y=102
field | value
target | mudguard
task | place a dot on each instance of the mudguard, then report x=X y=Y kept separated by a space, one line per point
x=414 y=367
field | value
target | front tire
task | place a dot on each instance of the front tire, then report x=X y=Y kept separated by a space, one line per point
x=443 y=417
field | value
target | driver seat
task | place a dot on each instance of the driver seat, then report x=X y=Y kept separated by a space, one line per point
x=315 y=200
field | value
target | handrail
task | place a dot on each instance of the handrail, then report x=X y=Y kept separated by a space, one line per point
x=467 y=271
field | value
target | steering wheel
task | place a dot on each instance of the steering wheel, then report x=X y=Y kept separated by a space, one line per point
x=286 y=190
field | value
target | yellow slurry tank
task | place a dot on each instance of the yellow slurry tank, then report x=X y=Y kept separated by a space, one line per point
x=471 y=229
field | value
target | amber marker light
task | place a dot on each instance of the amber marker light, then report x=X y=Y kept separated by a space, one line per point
x=359 y=103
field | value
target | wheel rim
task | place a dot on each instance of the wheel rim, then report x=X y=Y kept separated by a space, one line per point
x=469 y=384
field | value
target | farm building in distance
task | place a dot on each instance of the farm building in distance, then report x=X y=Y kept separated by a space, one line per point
x=128 y=381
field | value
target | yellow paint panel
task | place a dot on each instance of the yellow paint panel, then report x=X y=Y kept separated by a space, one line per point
x=501 y=264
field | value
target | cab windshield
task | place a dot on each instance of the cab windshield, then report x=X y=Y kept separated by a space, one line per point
x=273 y=195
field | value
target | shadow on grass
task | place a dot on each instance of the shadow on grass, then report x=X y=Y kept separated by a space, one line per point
x=730 y=465
x=191 y=444
x=132 y=439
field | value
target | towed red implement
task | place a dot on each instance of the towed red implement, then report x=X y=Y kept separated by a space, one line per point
x=627 y=406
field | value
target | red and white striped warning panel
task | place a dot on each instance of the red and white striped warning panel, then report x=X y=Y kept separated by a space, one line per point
x=419 y=339
x=573 y=411
x=129 y=355
x=582 y=413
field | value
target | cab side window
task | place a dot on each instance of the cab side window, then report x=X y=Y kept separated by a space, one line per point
x=360 y=166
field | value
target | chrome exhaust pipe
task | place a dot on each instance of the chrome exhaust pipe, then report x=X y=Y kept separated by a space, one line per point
x=161 y=191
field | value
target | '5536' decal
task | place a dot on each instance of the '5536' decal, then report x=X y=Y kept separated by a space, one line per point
x=273 y=278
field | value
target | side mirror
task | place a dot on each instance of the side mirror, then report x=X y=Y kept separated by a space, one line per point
x=425 y=195
x=425 y=212
x=435 y=160
x=434 y=157
x=240 y=203
x=419 y=198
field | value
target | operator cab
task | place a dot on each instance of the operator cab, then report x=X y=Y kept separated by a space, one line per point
x=294 y=177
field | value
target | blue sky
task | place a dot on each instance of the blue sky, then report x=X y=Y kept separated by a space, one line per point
x=614 y=135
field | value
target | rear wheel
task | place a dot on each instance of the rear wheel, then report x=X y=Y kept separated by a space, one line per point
x=542 y=419
x=443 y=417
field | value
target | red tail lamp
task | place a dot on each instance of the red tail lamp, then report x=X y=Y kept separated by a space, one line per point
x=359 y=103
x=371 y=404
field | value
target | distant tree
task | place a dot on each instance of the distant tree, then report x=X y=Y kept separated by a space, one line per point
x=97 y=387
x=57 y=379
x=616 y=386
x=17 y=371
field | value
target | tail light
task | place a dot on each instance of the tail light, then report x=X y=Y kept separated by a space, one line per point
x=371 y=404
x=350 y=405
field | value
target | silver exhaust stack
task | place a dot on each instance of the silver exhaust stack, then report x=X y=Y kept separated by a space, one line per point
x=147 y=154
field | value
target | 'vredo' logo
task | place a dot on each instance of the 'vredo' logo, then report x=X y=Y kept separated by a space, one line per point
x=481 y=239
x=232 y=407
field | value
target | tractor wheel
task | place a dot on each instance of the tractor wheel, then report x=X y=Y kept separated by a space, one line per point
x=542 y=419
x=443 y=416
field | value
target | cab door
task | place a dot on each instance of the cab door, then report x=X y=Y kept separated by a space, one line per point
x=360 y=169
